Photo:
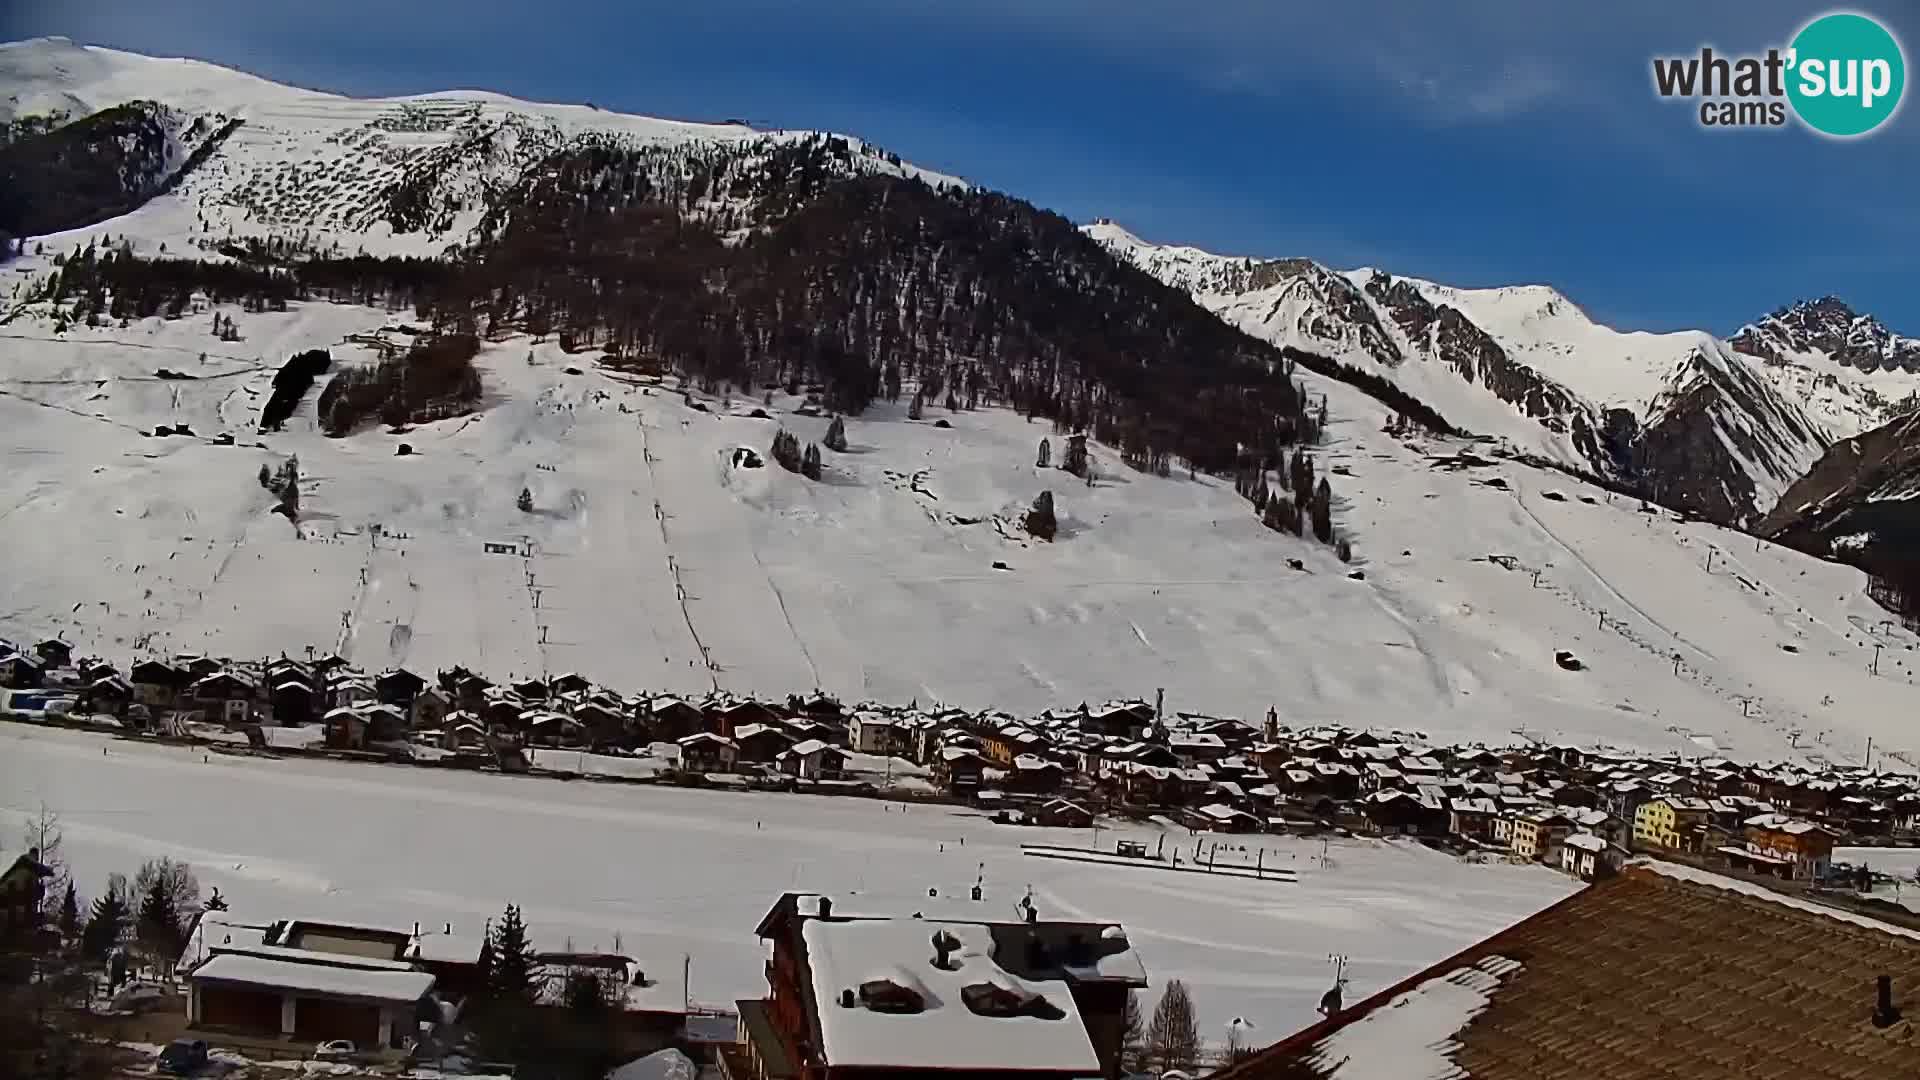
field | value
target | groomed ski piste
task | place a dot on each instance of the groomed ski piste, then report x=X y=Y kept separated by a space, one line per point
x=652 y=559
x=683 y=876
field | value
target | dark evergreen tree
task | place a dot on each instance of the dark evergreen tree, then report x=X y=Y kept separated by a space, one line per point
x=158 y=928
x=1040 y=520
x=1323 y=512
x=106 y=923
x=525 y=501
x=916 y=410
x=810 y=462
x=266 y=477
x=69 y=920
x=1046 y=455
x=786 y=450
x=836 y=439
x=1344 y=549
x=513 y=960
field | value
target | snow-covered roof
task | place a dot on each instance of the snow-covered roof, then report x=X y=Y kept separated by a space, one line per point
x=1586 y=842
x=1412 y=1036
x=325 y=978
x=945 y=1034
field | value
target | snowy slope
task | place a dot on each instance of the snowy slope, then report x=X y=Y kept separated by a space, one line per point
x=1526 y=366
x=879 y=581
x=323 y=168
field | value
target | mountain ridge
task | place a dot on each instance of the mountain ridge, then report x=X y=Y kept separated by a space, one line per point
x=1686 y=417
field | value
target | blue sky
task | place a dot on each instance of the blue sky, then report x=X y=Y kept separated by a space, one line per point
x=1485 y=143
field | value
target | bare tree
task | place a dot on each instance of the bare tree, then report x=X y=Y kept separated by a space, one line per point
x=42 y=835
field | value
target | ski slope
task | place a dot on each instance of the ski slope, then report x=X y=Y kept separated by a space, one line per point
x=650 y=561
x=680 y=873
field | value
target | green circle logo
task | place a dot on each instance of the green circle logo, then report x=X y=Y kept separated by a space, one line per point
x=1847 y=73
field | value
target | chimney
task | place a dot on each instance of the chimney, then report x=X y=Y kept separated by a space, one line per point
x=826 y=907
x=1884 y=1014
x=944 y=946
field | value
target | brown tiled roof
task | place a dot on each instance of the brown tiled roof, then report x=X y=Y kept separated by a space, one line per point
x=1653 y=976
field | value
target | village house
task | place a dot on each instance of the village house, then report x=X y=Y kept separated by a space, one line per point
x=708 y=753
x=812 y=760
x=228 y=697
x=959 y=771
x=760 y=742
x=670 y=719
x=307 y=983
x=429 y=707
x=955 y=993
x=1785 y=846
x=1035 y=775
x=19 y=671
x=22 y=896
x=1536 y=836
x=1063 y=814
x=876 y=734
x=1670 y=821
x=725 y=717
x=1590 y=857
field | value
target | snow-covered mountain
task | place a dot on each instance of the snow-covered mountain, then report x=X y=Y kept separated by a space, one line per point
x=407 y=175
x=1686 y=417
x=1851 y=372
x=654 y=555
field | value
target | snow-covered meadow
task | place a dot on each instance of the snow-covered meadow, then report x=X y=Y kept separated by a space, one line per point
x=686 y=874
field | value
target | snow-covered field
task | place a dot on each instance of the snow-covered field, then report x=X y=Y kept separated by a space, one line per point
x=652 y=552
x=688 y=873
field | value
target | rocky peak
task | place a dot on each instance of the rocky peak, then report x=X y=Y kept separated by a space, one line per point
x=1828 y=325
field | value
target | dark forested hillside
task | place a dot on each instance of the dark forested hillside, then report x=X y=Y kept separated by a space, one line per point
x=63 y=176
x=798 y=264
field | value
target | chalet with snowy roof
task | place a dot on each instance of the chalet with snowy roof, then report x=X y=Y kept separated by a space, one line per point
x=1063 y=813
x=1661 y=972
x=1124 y=719
x=20 y=671
x=23 y=889
x=706 y=752
x=877 y=734
x=1220 y=817
x=959 y=771
x=307 y=983
x=1590 y=857
x=760 y=742
x=1035 y=775
x=429 y=707
x=947 y=991
x=724 y=717
x=54 y=653
x=1783 y=846
x=812 y=760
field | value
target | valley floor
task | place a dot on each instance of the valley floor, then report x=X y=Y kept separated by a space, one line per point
x=687 y=874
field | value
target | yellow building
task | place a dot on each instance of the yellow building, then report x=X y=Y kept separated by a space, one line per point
x=1668 y=821
x=1536 y=834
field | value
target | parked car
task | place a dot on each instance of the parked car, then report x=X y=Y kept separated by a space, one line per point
x=183 y=1057
x=335 y=1050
